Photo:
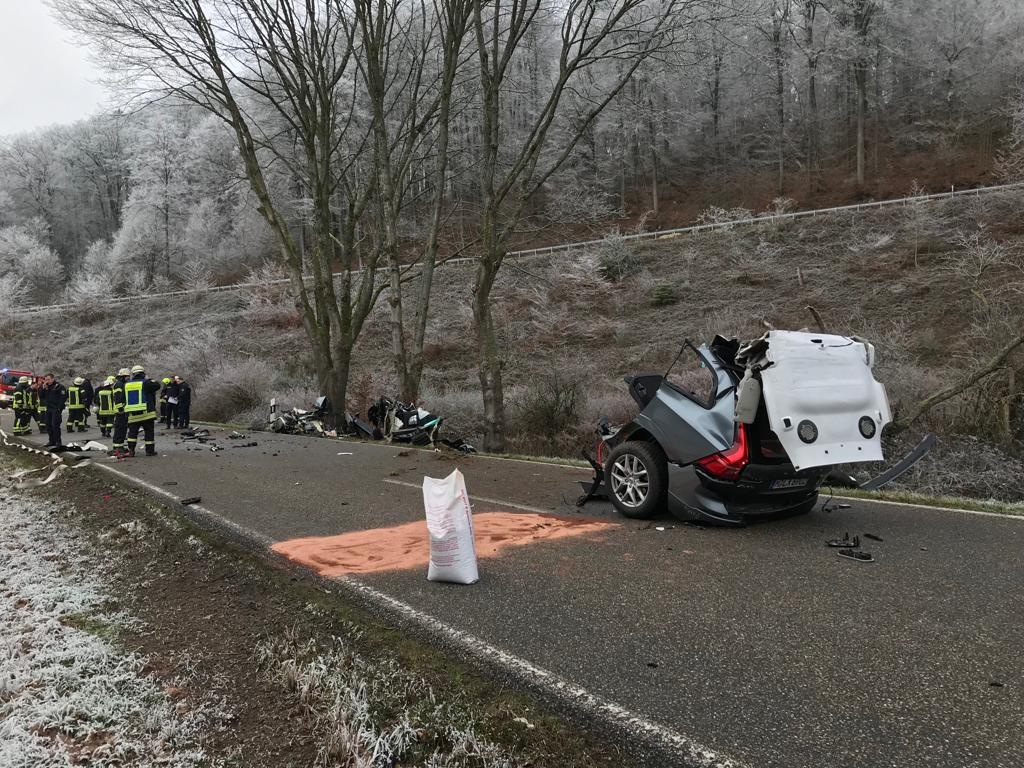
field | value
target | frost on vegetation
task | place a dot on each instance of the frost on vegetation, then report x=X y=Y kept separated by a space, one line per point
x=67 y=696
x=374 y=713
x=717 y=215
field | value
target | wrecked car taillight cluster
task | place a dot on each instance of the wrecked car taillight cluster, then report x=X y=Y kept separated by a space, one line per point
x=728 y=464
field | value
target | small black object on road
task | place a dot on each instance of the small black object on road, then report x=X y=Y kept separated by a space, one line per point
x=854 y=554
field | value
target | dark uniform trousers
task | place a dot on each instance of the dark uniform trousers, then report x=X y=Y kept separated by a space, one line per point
x=148 y=426
x=53 y=424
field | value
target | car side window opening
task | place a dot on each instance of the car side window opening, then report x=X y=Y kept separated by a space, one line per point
x=691 y=376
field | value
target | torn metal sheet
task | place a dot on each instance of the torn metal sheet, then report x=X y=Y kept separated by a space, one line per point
x=823 y=402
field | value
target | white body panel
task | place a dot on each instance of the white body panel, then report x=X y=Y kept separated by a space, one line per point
x=826 y=380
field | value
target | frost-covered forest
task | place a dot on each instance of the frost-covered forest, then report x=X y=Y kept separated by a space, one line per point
x=158 y=195
x=334 y=135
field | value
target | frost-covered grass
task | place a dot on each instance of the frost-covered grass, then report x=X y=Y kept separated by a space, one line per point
x=68 y=694
x=371 y=712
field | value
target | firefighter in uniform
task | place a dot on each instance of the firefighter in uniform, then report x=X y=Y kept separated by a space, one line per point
x=140 y=396
x=120 y=417
x=163 y=398
x=54 y=397
x=184 y=402
x=24 y=406
x=88 y=398
x=37 y=391
x=105 y=406
x=78 y=407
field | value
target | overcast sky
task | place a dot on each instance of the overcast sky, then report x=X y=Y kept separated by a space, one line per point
x=44 y=77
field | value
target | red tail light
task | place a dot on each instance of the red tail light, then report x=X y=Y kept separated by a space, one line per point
x=728 y=464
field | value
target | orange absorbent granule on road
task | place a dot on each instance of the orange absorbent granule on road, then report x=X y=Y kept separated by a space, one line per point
x=402 y=547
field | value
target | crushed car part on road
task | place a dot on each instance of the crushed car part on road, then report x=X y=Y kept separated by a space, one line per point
x=735 y=431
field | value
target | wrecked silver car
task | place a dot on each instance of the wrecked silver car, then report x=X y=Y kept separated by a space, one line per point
x=734 y=431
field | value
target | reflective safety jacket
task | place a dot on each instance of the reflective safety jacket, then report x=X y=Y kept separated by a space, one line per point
x=105 y=400
x=140 y=399
x=21 y=400
x=76 y=398
x=117 y=393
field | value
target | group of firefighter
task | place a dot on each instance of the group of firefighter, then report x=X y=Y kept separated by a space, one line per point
x=126 y=403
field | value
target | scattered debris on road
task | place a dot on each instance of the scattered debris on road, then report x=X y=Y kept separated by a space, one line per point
x=858 y=555
x=190 y=500
x=844 y=542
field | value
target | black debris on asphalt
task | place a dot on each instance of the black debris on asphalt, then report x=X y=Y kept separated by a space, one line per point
x=856 y=554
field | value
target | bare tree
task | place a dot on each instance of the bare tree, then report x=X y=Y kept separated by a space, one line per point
x=278 y=73
x=408 y=57
x=513 y=168
x=861 y=14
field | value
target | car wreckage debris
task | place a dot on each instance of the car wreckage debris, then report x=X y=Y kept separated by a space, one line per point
x=191 y=500
x=735 y=430
x=844 y=542
x=390 y=421
x=858 y=555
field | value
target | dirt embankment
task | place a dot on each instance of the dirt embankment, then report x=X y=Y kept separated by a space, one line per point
x=936 y=287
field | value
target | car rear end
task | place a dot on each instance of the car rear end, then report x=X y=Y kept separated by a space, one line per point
x=754 y=478
x=811 y=402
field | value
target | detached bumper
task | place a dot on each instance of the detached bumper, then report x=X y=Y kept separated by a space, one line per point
x=689 y=499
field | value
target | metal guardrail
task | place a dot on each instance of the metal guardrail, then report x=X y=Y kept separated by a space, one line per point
x=771 y=218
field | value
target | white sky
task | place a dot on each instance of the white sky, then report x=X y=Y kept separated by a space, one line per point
x=44 y=77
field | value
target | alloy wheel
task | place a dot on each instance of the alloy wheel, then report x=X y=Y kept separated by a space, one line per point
x=630 y=480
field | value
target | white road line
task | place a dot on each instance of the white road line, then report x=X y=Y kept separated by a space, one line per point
x=694 y=753
x=581 y=699
x=932 y=507
x=484 y=499
x=241 y=529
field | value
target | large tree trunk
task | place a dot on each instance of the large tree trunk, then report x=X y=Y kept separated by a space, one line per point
x=810 y=11
x=860 y=75
x=779 y=19
x=489 y=363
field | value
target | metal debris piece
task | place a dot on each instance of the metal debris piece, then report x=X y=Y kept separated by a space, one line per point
x=844 y=542
x=856 y=554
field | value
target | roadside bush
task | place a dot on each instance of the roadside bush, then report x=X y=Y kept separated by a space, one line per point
x=616 y=258
x=231 y=387
x=551 y=405
x=664 y=294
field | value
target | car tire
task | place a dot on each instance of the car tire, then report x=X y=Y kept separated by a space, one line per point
x=636 y=477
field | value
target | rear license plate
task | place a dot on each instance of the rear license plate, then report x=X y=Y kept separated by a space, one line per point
x=797 y=482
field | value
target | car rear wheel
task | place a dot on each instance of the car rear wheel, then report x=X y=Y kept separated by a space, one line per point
x=637 y=478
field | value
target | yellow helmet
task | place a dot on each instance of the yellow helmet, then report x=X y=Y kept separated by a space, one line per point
x=166 y=380
x=124 y=372
x=23 y=380
x=109 y=380
x=79 y=381
x=137 y=369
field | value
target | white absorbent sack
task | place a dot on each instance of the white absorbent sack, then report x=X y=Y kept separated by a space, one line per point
x=450 y=523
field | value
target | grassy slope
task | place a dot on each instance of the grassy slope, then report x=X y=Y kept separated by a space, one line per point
x=560 y=316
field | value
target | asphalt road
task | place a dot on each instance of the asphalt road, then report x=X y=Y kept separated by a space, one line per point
x=759 y=643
